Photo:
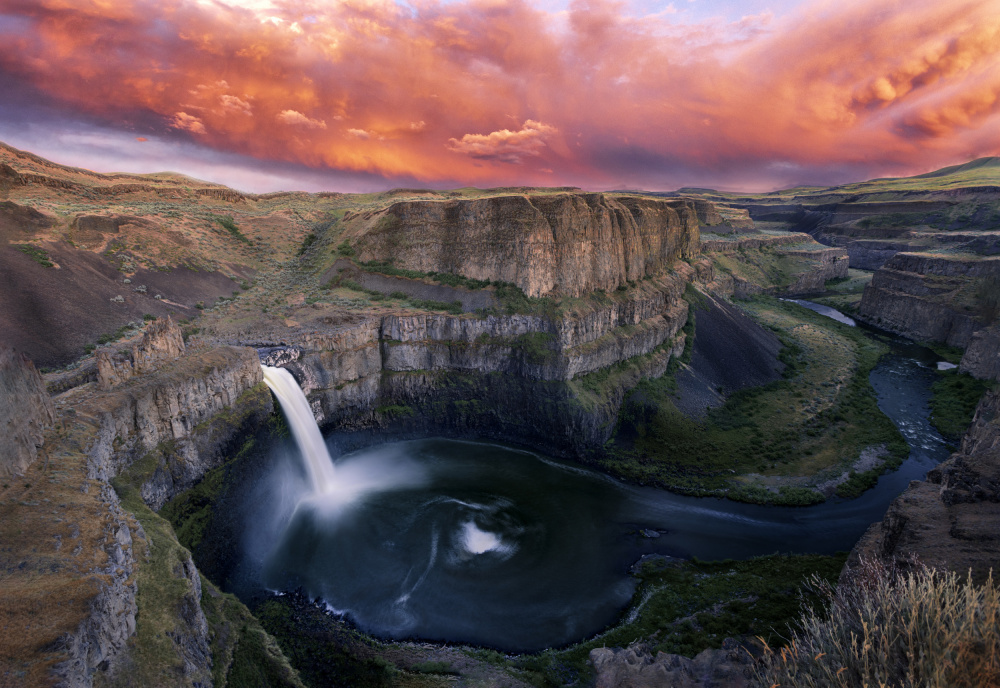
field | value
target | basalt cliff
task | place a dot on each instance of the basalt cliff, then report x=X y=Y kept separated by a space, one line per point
x=567 y=244
x=528 y=316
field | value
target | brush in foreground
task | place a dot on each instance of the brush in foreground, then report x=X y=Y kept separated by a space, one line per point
x=887 y=629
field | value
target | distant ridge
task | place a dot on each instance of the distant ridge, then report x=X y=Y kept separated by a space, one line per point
x=976 y=164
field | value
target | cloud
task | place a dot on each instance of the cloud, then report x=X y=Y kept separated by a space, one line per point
x=186 y=122
x=461 y=89
x=297 y=119
x=235 y=104
x=504 y=145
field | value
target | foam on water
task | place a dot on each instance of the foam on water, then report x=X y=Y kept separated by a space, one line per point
x=478 y=541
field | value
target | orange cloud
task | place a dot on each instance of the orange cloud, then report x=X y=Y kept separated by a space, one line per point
x=504 y=145
x=295 y=118
x=464 y=90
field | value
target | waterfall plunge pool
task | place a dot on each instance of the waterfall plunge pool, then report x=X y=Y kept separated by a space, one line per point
x=459 y=541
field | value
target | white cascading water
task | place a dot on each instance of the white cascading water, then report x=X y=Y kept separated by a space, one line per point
x=304 y=428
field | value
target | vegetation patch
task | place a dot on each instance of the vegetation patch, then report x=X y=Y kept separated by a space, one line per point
x=922 y=628
x=326 y=653
x=229 y=224
x=307 y=242
x=535 y=347
x=954 y=400
x=821 y=416
x=395 y=411
x=39 y=255
x=686 y=607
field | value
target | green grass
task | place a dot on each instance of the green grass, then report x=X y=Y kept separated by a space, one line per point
x=953 y=402
x=690 y=606
x=38 y=255
x=229 y=224
x=154 y=658
x=535 y=347
x=822 y=415
x=326 y=653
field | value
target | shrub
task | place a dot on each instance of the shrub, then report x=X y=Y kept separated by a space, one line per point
x=346 y=250
x=886 y=628
x=307 y=242
x=229 y=224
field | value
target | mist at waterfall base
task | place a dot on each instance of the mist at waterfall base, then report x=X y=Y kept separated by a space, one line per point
x=449 y=540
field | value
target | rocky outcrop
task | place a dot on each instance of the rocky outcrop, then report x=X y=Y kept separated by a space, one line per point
x=636 y=667
x=826 y=264
x=179 y=418
x=104 y=632
x=567 y=244
x=951 y=520
x=754 y=241
x=162 y=340
x=25 y=412
x=871 y=254
x=804 y=266
x=982 y=357
x=929 y=297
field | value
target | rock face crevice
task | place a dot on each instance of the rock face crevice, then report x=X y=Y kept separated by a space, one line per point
x=567 y=244
x=25 y=412
x=104 y=633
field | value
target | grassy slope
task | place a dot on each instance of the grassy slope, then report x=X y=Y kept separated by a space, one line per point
x=818 y=419
x=687 y=607
x=954 y=400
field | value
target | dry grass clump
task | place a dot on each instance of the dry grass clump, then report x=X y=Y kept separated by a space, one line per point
x=924 y=628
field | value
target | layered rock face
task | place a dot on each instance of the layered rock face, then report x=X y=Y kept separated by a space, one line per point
x=567 y=244
x=161 y=340
x=929 y=297
x=951 y=520
x=185 y=413
x=25 y=412
x=177 y=420
x=504 y=376
x=982 y=357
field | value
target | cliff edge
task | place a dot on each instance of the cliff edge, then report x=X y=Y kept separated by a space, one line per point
x=25 y=412
x=566 y=244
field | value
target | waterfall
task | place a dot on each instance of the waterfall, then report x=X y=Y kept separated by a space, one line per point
x=304 y=428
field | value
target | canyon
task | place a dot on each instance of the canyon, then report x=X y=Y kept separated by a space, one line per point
x=529 y=316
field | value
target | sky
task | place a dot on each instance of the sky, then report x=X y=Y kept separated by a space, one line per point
x=363 y=95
